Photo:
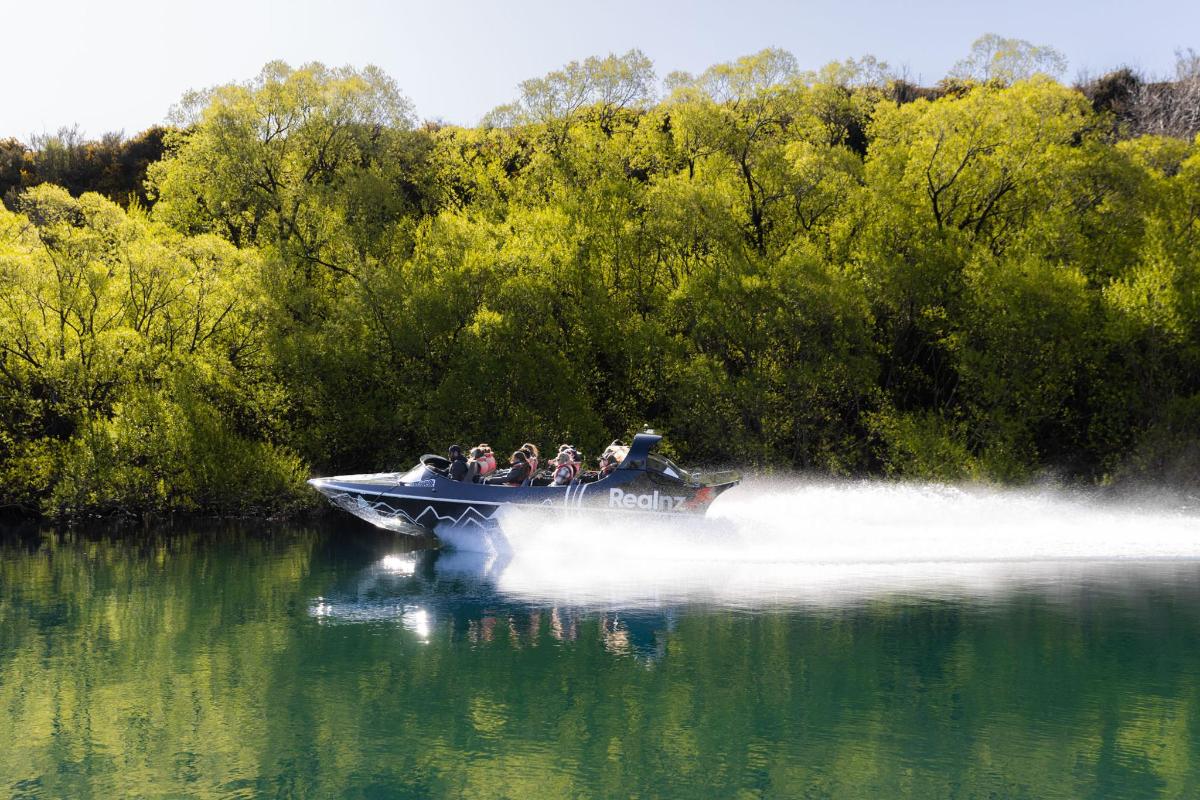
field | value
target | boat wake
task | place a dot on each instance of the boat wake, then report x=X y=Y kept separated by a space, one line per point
x=830 y=542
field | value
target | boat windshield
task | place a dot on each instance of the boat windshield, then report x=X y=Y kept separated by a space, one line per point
x=666 y=466
x=413 y=475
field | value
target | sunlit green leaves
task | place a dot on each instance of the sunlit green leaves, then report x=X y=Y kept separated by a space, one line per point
x=777 y=266
x=129 y=352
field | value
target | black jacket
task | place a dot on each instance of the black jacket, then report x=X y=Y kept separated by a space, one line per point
x=458 y=468
x=517 y=473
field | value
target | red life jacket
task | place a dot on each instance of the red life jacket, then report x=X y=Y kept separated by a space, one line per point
x=487 y=464
x=533 y=465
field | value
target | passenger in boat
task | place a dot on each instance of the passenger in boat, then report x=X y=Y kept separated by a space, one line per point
x=487 y=461
x=576 y=456
x=565 y=469
x=515 y=475
x=475 y=466
x=458 y=464
x=531 y=452
x=615 y=453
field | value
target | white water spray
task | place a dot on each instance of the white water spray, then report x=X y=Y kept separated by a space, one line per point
x=832 y=542
x=878 y=522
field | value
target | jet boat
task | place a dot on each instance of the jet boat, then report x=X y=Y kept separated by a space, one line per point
x=425 y=496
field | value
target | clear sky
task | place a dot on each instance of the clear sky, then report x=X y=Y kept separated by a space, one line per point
x=120 y=65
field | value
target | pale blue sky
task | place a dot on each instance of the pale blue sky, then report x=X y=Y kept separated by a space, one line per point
x=120 y=65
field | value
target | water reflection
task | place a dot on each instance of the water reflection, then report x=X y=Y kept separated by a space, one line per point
x=527 y=599
x=341 y=662
x=465 y=592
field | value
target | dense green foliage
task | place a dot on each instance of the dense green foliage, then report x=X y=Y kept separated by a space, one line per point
x=772 y=266
x=136 y=376
x=114 y=166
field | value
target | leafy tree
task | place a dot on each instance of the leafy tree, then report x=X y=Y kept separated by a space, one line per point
x=131 y=372
x=113 y=165
x=605 y=86
x=1006 y=61
x=832 y=270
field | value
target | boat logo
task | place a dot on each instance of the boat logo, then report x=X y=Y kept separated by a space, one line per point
x=617 y=498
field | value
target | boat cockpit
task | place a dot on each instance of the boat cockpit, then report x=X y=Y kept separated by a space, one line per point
x=660 y=466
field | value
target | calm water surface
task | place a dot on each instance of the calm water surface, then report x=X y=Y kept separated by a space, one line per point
x=272 y=661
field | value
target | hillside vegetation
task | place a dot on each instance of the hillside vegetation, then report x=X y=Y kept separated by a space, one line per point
x=835 y=271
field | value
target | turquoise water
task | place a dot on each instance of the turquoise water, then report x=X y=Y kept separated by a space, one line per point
x=335 y=661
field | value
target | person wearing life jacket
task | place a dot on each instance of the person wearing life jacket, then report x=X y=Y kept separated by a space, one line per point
x=576 y=458
x=570 y=451
x=475 y=466
x=458 y=469
x=531 y=452
x=487 y=460
x=565 y=469
x=515 y=475
x=608 y=462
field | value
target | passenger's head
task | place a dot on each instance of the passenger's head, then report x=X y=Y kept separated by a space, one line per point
x=455 y=451
x=563 y=458
x=531 y=449
x=476 y=452
x=519 y=457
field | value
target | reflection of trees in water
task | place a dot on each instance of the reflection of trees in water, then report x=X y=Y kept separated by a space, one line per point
x=124 y=658
x=186 y=665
